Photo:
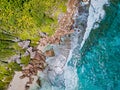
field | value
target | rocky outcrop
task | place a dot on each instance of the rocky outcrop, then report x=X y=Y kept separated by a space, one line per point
x=24 y=44
x=37 y=63
x=31 y=52
x=15 y=58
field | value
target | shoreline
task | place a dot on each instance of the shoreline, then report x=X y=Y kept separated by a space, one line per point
x=57 y=63
x=57 y=75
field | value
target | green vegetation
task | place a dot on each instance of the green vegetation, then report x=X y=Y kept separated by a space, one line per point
x=25 y=60
x=6 y=45
x=24 y=19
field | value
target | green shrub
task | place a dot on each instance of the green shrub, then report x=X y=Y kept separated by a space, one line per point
x=25 y=60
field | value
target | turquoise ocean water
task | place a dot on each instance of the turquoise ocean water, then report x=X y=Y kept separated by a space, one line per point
x=98 y=62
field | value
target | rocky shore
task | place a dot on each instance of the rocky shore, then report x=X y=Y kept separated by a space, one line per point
x=57 y=71
x=48 y=59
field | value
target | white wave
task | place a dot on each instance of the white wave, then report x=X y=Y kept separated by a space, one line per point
x=70 y=75
x=71 y=78
x=96 y=14
x=70 y=72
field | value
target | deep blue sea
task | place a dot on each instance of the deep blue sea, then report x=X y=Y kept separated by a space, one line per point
x=98 y=62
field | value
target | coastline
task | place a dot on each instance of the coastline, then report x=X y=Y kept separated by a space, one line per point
x=56 y=65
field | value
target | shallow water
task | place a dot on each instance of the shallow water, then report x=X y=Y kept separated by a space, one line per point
x=98 y=62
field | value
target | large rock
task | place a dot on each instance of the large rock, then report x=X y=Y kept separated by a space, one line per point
x=24 y=44
x=31 y=52
x=49 y=53
x=15 y=58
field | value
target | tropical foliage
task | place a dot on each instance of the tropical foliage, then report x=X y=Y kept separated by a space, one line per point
x=24 y=19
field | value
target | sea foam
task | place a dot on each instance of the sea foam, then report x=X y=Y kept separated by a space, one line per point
x=96 y=14
x=70 y=72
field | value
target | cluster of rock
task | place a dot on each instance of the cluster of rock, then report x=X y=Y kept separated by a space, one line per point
x=36 y=64
x=54 y=39
x=37 y=60
x=24 y=45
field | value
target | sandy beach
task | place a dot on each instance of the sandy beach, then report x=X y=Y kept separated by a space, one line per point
x=17 y=83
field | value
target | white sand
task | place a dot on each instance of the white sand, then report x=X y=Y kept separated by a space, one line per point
x=17 y=83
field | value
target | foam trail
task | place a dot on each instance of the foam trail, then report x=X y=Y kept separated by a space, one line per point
x=70 y=74
x=96 y=14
